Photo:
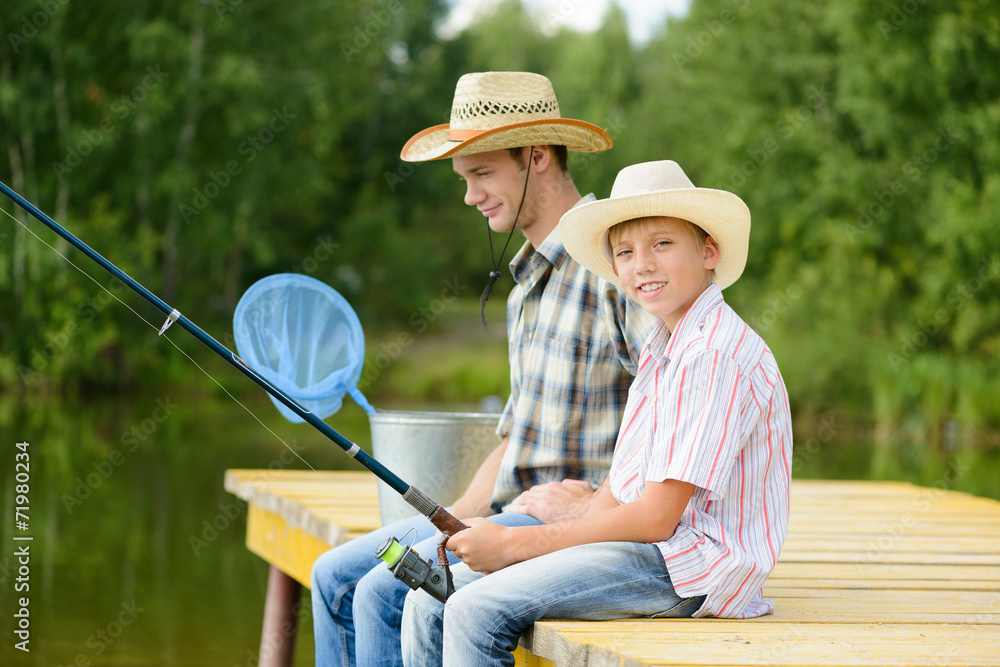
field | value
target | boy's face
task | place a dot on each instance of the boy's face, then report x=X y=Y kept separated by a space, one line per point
x=493 y=184
x=660 y=266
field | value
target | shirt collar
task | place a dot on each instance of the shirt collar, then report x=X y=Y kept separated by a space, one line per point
x=662 y=343
x=551 y=249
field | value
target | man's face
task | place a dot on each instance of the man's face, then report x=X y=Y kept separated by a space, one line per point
x=494 y=184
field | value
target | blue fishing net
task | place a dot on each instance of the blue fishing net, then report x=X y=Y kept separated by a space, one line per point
x=305 y=338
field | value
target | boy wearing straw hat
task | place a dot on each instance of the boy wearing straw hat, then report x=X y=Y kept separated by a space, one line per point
x=573 y=347
x=696 y=509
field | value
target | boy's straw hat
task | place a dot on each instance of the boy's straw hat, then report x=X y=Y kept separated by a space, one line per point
x=658 y=189
x=495 y=110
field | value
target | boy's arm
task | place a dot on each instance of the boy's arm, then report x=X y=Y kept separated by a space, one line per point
x=603 y=500
x=487 y=547
x=477 y=497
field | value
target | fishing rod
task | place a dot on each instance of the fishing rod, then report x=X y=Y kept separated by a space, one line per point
x=438 y=515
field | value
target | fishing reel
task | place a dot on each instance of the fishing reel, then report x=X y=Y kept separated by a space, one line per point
x=416 y=572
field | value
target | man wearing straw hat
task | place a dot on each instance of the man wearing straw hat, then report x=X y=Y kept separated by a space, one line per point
x=573 y=347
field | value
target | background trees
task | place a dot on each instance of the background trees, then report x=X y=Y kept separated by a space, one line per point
x=204 y=145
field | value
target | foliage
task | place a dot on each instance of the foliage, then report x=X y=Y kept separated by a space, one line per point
x=862 y=136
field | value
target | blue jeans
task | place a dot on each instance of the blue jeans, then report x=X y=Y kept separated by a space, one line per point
x=484 y=618
x=358 y=603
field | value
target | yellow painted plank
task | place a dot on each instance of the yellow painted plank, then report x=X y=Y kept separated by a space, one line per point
x=525 y=658
x=291 y=550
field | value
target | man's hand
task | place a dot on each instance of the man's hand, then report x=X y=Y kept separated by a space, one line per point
x=554 y=502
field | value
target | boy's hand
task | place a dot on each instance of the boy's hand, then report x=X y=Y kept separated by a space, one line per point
x=481 y=546
x=554 y=502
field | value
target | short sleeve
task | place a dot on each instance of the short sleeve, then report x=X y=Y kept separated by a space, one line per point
x=697 y=438
x=506 y=418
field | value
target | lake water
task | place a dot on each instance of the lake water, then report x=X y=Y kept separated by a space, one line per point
x=137 y=556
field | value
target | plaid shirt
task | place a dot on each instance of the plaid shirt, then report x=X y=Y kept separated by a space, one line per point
x=574 y=346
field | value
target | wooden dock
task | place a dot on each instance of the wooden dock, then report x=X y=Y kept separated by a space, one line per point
x=872 y=573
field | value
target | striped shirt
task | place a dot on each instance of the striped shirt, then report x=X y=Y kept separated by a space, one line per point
x=574 y=344
x=709 y=407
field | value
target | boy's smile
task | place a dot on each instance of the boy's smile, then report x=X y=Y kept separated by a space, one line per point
x=661 y=267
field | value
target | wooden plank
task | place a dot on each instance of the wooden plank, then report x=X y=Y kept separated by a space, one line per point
x=775 y=586
x=855 y=555
x=862 y=559
x=953 y=545
x=959 y=521
x=714 y=641
x=861 y=610
x=958 y=601
x=645 y=653
x=888 y=571
x=325 y=505
x=714 y=628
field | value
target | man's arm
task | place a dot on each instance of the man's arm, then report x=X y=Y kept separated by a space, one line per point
x=477 y=497
x=556 y=502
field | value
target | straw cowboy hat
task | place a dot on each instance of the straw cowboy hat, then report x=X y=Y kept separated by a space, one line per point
x=658 y=189
x=495 y=110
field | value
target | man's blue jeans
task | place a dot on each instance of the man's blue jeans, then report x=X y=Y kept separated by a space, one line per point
x=485 y=617
x=358 y=603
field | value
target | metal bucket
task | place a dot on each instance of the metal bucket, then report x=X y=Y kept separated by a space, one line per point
x=437 y=452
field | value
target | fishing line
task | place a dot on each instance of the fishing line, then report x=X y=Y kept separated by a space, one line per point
x=156 y=328
x=447 y=523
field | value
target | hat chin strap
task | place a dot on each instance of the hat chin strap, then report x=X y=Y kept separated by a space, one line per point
x=495 y=271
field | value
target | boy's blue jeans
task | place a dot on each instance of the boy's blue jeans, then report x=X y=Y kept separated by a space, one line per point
x=485 y=617
x=358 y=603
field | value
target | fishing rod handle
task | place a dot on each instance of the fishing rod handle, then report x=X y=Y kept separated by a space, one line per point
x=446 y=522
x=442 y=519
